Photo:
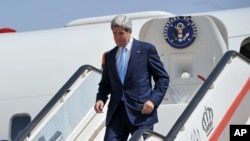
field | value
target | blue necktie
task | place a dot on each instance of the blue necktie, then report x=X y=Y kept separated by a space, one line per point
x=122 y=65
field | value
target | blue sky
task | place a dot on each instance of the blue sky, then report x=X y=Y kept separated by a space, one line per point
x=28 y=15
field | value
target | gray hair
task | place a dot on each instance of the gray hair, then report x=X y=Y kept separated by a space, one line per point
x=121 y=21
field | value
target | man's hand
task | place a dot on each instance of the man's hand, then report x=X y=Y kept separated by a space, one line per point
x=99 y=106
x=148 y=107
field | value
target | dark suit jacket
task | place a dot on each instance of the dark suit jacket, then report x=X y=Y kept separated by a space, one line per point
x=144 y=63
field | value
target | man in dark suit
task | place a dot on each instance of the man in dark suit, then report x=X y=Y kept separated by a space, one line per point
x=133 y=100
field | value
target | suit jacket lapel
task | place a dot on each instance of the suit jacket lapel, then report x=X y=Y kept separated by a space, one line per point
x=112 y=65
x=135 y=50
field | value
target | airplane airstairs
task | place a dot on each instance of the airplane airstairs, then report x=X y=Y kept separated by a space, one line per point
x=70 y=115
x=70 y=112
x=223 y=99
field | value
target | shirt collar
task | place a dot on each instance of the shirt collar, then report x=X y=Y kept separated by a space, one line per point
x=129 y=44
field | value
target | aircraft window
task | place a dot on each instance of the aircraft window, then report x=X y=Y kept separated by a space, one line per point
x=245 y=48
x=18 y=123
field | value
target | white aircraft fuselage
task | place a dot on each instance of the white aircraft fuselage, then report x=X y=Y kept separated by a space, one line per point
x=35 y=65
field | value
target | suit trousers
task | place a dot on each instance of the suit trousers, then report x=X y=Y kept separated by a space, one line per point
x=121 y=127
